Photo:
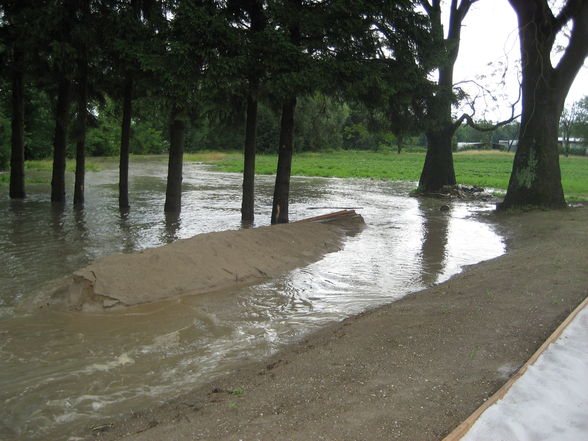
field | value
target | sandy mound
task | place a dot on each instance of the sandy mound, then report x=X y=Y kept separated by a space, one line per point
x=204 y=263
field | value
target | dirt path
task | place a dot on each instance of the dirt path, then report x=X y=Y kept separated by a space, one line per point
x=409 y=371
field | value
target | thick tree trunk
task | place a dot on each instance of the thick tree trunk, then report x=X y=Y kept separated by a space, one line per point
x=60 y=141
x=438 y=169
x=17 y=157
x=173 y=195
x=82 y=122
x=125 y=139
x=536 y=175
x=282 y=186
x=248 y=201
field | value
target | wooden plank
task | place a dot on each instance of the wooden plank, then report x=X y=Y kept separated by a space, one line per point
x=460 y=431
x=330 y=216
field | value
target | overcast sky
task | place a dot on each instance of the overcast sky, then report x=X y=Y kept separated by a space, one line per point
x=489 y=35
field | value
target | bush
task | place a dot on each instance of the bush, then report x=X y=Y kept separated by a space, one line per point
x=146 y=140
x=102 y=141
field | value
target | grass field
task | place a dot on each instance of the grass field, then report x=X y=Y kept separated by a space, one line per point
x=488 y=169
x=481 y=168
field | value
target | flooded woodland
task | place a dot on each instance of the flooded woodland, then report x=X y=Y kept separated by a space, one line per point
x=61 y=371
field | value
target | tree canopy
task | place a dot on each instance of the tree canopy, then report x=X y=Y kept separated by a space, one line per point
x=114 y=77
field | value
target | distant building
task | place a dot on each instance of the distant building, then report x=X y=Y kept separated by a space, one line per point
x=578 y=146
x=509 y=145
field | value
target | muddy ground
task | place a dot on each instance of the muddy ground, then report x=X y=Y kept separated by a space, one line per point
x=411 y=370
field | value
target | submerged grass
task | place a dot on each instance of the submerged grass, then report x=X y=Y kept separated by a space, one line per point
x=39 y=171
x=47 y=165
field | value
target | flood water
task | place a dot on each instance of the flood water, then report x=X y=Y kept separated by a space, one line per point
x=61 y=372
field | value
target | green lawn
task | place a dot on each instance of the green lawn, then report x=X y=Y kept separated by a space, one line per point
x=480 y=168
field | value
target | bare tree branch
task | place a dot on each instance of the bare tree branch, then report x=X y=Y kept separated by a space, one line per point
x=469 y=118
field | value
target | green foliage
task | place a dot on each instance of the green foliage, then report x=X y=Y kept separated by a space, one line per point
x=103 y=138
x=211 y=133
x=268 y=131
x=366 y=130
x=579 y=127
x=238 y=391
x=39 y=124
x=319 y=123
x=147 y=140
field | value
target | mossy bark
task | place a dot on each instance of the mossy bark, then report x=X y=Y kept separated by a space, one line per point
x=536 y=175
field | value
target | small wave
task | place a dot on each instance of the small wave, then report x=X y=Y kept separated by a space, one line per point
x=121 y=360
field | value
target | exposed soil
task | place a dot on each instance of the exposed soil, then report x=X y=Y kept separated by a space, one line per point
x=411 y=370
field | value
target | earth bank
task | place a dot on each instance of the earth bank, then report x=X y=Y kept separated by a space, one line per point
x=202 y=264
x=411 y=370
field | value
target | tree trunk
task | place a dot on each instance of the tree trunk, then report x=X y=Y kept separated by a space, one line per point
x=125 y=139
x=536 y=175
x=438 y=169
x=17 y=157
x=282 y=186
x=60 y=141
x=82 y=122
x=248 y=202
x=255 y=10
x=173 y=195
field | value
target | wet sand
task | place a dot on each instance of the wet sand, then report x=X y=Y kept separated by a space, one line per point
x=411 y=370
x=224 y=260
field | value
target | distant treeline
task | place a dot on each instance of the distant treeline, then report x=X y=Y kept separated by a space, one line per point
x=323 y=124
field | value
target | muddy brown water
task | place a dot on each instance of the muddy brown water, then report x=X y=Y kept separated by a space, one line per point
x=63 y=371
